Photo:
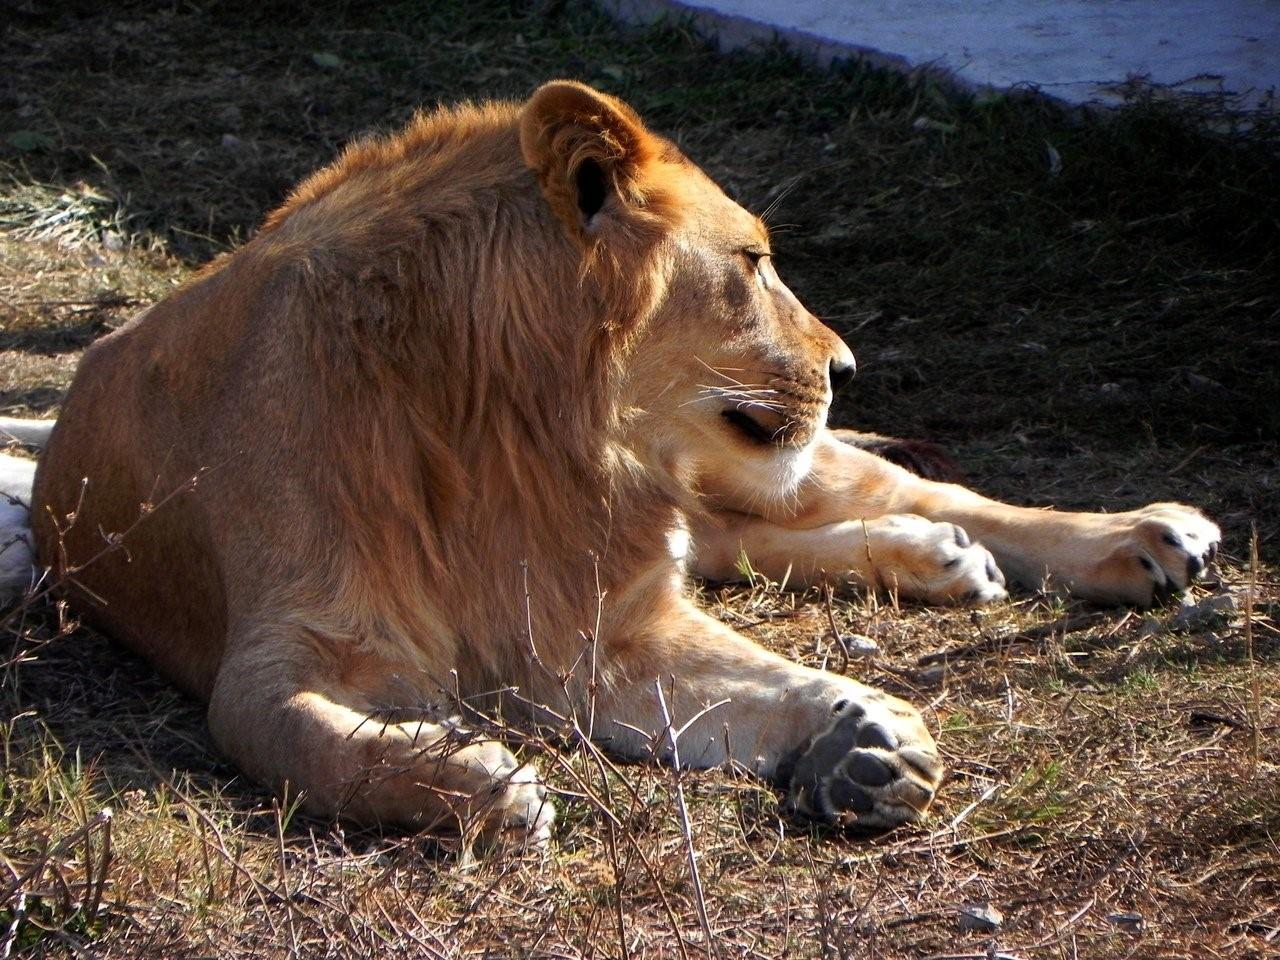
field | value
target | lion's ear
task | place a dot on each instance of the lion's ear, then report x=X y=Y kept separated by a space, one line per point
x=589 y=151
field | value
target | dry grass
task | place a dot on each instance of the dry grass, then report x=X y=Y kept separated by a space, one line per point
x=1113 y=774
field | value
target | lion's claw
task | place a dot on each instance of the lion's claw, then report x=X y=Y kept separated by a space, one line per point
x=937 y=562
x=1175 y=546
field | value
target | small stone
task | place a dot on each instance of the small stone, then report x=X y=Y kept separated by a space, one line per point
x=1209 y=612
x=112 y=241
x=1133 y=922
x=928 y=123
x=982 y=917
x=859 y=646
x=231 y=142
x=1111 y=388
x=1199 y=382
x=930 y=676
x=1054 y=158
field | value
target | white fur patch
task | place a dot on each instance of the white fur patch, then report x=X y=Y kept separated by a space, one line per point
x=17 y=564
x=769 y=475
x=792 y=466
x=678 y=543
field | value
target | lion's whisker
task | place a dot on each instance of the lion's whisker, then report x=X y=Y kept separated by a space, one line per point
x=720 y=372
x=782 y=194
x=745 y=394
x=743 y=397
x=739 y=403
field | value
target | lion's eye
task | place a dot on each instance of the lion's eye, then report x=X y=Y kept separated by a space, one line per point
x=758 y=260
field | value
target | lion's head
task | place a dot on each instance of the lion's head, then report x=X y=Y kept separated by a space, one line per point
x=723 y=362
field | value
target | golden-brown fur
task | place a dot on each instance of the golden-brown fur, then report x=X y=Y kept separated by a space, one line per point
x=395 y=438
x=429 y=441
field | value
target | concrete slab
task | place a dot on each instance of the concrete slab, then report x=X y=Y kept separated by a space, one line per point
x=1078 y=51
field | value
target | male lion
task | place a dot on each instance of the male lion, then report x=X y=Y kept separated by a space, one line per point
x=434 y=432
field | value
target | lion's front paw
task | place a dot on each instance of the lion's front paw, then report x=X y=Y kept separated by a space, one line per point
x=873 y=766
x=487 y=788
x=515 y=802
x=934 y=562
x=1150 y=554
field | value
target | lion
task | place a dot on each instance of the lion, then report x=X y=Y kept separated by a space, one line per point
x=445 y=436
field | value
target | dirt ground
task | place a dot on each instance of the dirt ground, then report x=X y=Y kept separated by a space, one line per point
x=1084 y=310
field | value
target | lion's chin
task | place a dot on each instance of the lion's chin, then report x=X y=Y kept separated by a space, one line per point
x=791 y=465
x=773 y=471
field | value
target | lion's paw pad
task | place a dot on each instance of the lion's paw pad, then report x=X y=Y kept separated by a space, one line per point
x=858 y=772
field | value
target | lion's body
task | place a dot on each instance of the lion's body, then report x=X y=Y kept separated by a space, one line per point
x=385 y=421
x=432 y=433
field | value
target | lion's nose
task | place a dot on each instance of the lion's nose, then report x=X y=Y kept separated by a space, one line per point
x=841 y=370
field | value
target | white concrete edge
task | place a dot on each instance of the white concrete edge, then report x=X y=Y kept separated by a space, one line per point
x=736 y=31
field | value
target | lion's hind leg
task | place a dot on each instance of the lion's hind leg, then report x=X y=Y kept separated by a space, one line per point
x=278 y=717
x=921 y=457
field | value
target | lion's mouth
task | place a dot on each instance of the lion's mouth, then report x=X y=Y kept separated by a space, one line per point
x=750 y=427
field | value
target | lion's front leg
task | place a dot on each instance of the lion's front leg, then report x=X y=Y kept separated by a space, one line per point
x=286 y=716
x=915 y=557
x=1136 y=557
x=1133 y=557
x=843 y=750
